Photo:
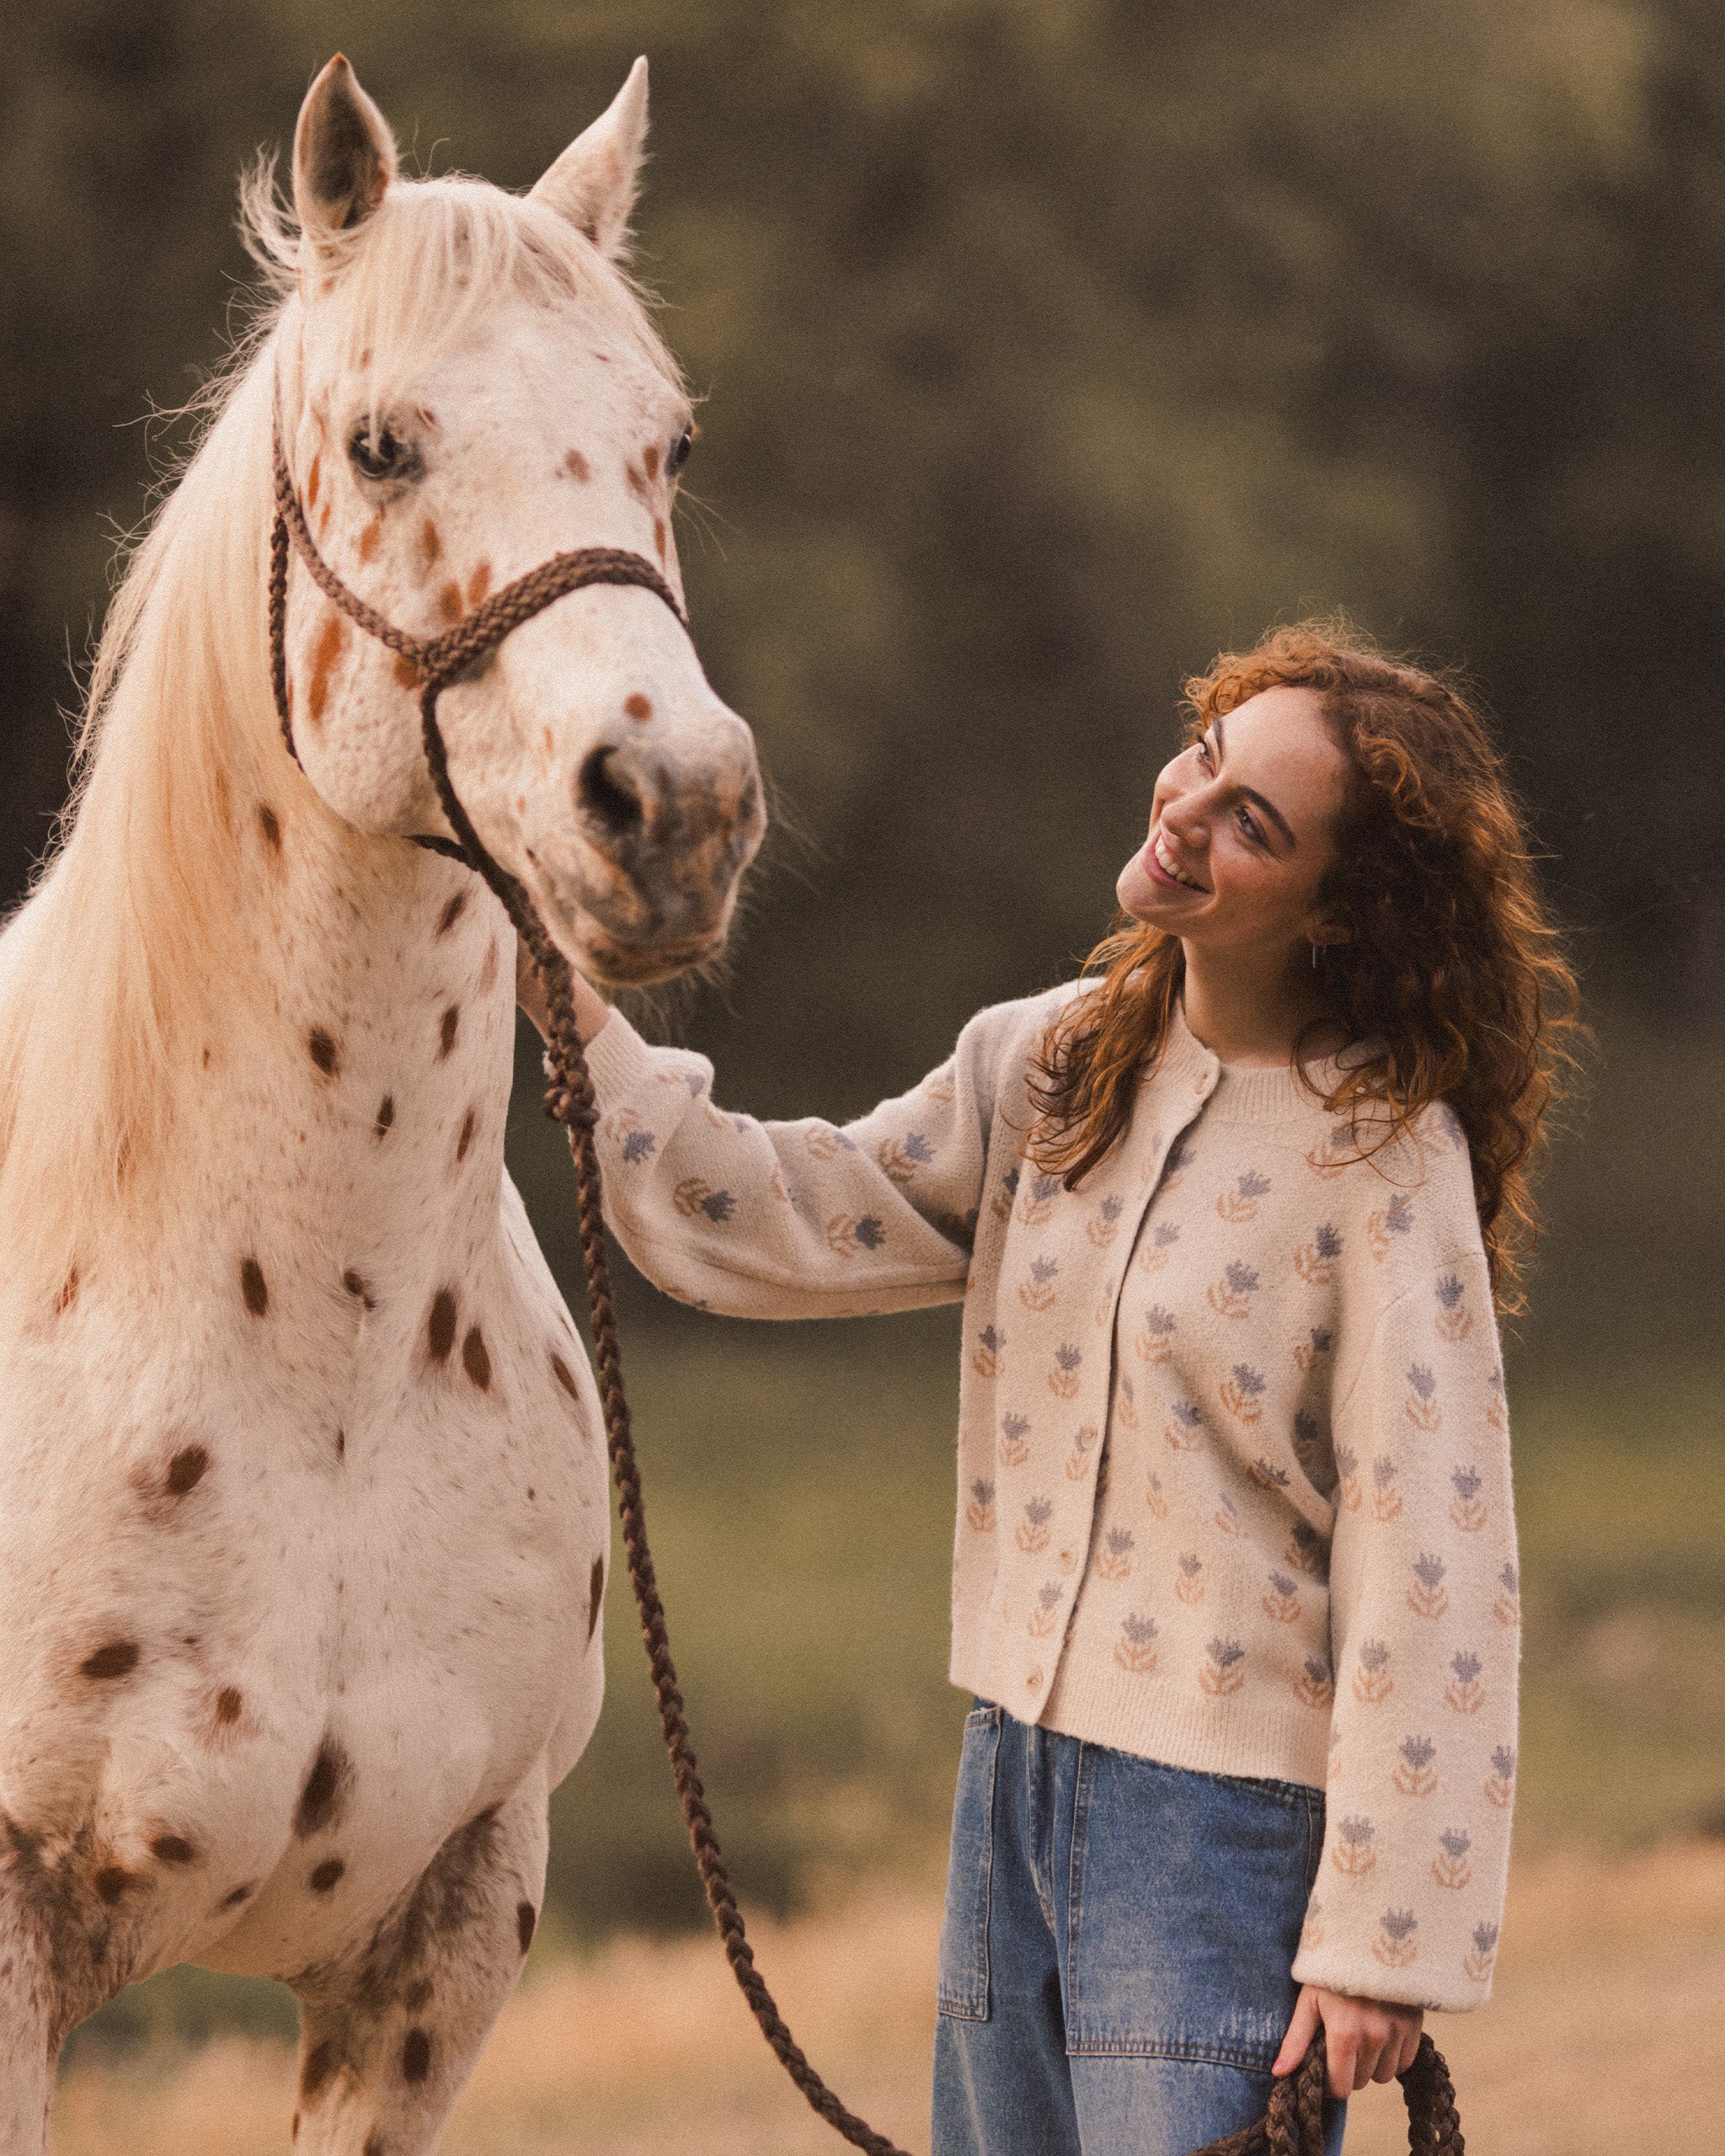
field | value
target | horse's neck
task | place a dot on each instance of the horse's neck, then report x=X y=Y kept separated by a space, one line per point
x=353 y=1116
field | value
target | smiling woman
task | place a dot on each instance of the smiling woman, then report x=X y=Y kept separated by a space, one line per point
x=1334 y=860
x=1228 y=1218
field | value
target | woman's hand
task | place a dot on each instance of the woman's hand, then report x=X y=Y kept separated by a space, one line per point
x=1364 y=2039
x=591 y=1009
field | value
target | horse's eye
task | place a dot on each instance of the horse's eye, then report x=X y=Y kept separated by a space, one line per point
x=680 y=450
x=381 y=455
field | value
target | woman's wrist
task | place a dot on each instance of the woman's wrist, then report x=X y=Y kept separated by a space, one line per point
x=591 y=1009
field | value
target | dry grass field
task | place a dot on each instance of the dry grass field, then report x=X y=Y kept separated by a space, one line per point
x=1603 y=2037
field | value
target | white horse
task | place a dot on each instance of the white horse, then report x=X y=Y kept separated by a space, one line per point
x=303 y=1515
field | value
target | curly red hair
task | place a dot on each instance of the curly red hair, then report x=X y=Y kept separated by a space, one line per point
x=1453 y=969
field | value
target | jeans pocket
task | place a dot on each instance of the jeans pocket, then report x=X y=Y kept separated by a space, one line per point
x=963 y=1984
x=1193 y=1887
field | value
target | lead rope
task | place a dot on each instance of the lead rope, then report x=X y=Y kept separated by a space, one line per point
x=569 y=1101
x=1293 y=2123
x=1287 y=2129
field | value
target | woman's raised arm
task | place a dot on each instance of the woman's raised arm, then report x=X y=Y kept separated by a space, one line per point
x=788 y=1220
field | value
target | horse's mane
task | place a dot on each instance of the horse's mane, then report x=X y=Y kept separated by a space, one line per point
x=126 y=957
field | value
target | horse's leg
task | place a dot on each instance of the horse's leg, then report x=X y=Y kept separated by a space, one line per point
x=28 y=2037
x=389 y=2034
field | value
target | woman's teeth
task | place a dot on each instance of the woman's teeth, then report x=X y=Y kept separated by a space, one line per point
x=1169 y=867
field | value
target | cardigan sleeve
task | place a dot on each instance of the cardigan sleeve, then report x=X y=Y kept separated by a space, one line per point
x=1424 y=1621
x=792 y=1219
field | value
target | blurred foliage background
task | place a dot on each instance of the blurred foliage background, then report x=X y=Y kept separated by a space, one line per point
x=1047 y=346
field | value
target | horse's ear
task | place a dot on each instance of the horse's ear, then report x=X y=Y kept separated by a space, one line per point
x=593 y=182
x=344 y=154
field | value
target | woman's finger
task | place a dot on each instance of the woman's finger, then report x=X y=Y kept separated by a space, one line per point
x=1301 y=2031
x=1341 y=2051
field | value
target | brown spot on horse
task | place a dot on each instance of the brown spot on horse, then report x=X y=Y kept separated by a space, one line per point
x=325 y=1876
x=649 y=458
x=416 y=2055
x=478 y=584
x=231 y=1901
x=526 y=1923
x=323 y=659
x=637 y=707
x=452 y=913
x=321 y=2061
x=68 y=1293
x=324 y=1793
x=577 y=467
x=564 y=1376
x=470 y=1123
x=407 y=672
x=447 y=1027
x=173 y=1849
x=119 y=1659
x=254 y=1287
x=596 y=1596
x=430 y=547
x=659 y=539
x=359 y=1287
x=371 y=536
x=440 y=1325
x=228 y=1705
x=475 y=1361
x=324 y=1052
x=186 y=1469
x=448 y=602
x=313 y=479
x=386 y=1115
x=270 y=824
x=638 y=485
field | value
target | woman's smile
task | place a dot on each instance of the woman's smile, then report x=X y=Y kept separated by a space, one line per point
x=1163 y=863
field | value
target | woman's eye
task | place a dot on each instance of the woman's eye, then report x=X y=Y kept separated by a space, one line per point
x=1248 y=824
x=1203 y=748
x=679 y=451
x=381 y=455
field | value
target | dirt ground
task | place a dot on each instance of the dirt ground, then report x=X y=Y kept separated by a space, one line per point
x=1604 y=2036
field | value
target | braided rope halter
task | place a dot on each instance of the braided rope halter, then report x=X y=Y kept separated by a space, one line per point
x=1292 y=2127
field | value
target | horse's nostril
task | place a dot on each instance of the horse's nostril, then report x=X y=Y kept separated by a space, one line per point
x=608 y=796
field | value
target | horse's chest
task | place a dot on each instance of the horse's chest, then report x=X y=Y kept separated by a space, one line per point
x=362 y=1538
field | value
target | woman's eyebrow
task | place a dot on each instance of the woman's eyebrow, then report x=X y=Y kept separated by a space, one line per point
x=1251 y=794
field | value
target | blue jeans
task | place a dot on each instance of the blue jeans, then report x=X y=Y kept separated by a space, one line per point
x=1115 y=1953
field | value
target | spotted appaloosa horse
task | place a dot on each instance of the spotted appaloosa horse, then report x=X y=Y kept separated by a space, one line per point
x=303 y=1515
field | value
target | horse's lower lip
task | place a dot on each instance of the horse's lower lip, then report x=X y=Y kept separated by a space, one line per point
x=638 y=965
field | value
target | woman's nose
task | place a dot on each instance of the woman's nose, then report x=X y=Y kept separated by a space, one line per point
x=1183 y=815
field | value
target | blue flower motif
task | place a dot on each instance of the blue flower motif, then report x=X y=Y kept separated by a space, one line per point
x=719 y=1205
x=870 y=1233
x=637 y=1146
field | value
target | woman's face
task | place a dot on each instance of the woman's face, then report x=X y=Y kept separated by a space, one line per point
x=1241 y=829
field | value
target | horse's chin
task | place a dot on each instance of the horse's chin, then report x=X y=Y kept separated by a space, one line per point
x=603 y=959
